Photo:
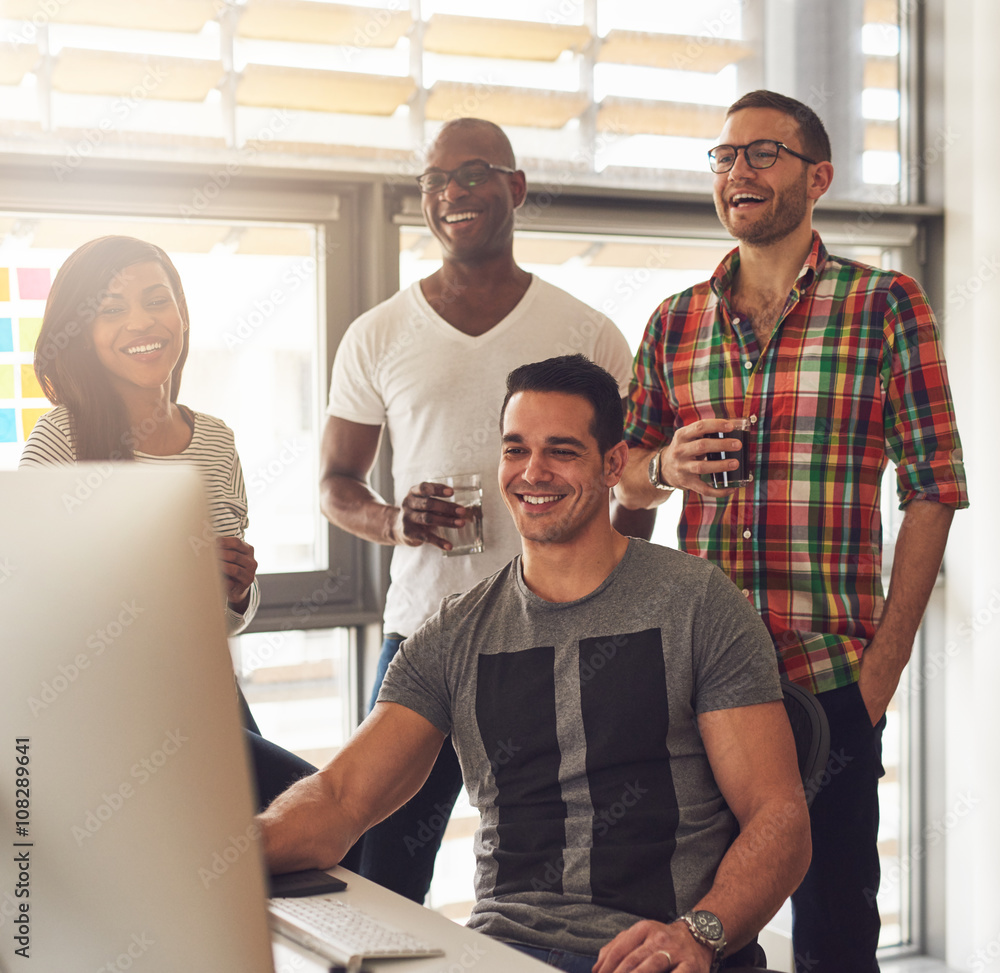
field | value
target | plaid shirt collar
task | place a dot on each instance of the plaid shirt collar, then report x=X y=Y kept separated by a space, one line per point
x=722 y=280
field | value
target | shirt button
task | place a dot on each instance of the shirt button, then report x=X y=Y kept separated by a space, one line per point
x=746 y=592
x=748 y=365
x=753 y=418
x=747 y=534
x=737 y=319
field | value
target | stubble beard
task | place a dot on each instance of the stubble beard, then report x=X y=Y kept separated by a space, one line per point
x=788 y=215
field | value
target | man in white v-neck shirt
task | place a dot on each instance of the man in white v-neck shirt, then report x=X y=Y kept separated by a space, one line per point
x=429 y=365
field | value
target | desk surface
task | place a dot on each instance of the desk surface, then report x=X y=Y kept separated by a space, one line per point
x=464 y=948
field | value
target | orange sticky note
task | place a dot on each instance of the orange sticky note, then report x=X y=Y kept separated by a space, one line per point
x=29 y=417
x=30 y=389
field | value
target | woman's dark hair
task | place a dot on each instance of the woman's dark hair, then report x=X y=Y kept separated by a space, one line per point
x=66 y=363
x=574 y=375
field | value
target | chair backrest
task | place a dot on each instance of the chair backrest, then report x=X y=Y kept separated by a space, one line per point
x=812 y=735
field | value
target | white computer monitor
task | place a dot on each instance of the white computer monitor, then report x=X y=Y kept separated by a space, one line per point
x=126 y=835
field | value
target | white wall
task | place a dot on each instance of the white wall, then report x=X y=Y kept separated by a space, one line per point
x=968 y=808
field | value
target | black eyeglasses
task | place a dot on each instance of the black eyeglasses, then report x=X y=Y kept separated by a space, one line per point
x=468 y=175
x=760 y=154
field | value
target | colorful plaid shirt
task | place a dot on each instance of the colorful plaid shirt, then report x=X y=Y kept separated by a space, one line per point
x=853 y=375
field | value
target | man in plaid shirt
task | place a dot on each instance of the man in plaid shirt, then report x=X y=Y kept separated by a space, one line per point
x=838 y=366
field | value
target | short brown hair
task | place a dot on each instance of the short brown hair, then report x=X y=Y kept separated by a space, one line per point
x=815 y=141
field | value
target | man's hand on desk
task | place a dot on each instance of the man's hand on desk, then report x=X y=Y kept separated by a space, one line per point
x=653 y=947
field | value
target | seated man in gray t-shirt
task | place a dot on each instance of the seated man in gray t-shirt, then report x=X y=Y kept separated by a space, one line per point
x=616 y=710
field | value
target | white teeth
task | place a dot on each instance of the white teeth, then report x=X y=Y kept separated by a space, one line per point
x=744 y=197
x=143 y=349
x=459 y=217
x=537 y=500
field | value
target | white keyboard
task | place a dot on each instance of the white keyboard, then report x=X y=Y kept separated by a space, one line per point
x=343 y=933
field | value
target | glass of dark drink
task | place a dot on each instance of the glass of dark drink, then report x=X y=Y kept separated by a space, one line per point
x=741 y=475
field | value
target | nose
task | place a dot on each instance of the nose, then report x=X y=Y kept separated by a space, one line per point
x=741 y=168
x=536 y=469
x=453 y=190
x=139 y=319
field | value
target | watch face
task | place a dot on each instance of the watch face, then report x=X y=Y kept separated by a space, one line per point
x=708 y=924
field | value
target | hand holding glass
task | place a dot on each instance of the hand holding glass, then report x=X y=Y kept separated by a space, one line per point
x=725 y=479
x=467 y=492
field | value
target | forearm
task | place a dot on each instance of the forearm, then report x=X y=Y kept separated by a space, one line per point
x=302 y=828
x=916 y=562
x=354 y=506
x=762 y=867
x=316 y=821
x=634 y=490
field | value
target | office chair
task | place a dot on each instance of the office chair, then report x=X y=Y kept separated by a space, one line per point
x=812 y=749
x=812 y=735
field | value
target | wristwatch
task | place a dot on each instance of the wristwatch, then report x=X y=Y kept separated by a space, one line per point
x=654 y=472
x=706 y=928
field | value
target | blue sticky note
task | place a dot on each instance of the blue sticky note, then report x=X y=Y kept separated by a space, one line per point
x=8 y=428
x=6 y=335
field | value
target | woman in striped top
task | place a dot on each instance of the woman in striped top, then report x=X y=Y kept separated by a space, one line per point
x=109 y=356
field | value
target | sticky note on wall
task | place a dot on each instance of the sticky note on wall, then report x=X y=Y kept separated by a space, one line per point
x=33 y=283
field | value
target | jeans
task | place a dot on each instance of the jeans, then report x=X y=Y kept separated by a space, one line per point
x=559 y=958
x=399 y=852
x=835 y=920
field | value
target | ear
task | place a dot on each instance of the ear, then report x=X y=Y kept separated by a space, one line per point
x=518 y=188
x=615 y=461
x=820 y=180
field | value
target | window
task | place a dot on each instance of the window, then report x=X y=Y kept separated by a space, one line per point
x=610 y=93
x=255 y=357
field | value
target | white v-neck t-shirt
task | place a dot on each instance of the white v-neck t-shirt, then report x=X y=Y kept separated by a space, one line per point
x=438 y=391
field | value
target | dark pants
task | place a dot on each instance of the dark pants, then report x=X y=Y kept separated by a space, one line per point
x=835 y=921
x=399 y=852
x=274 y=768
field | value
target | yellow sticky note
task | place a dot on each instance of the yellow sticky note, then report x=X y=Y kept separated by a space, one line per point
x=4 y=284
x=30 y=389
x=6 y=381
x=29 y=417
x=28 y=330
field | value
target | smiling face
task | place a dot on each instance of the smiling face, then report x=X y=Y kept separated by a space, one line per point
x=552 y=475
x=138 y=330
x=764 y=206
x=473 y=224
